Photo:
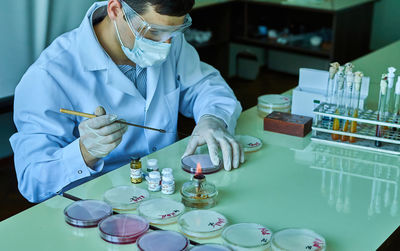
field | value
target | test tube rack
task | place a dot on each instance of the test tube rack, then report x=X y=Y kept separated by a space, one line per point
x=367 y=123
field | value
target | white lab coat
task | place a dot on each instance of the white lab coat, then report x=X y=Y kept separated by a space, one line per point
x=75 y=73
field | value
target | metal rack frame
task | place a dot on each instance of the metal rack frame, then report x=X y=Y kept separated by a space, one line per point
x=366 y=129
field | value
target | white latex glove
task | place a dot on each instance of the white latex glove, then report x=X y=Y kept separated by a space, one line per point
x=100 y=135
x=212 y=131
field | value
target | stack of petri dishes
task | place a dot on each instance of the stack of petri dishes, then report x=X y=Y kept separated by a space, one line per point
x=161 y=211
x=247 y=236
x=297 y=239
x=161 y=240
x=86 y=213
x=123 y=198
x=272 y=102
x=202 y=224
x=189 y=164
x=123 y=228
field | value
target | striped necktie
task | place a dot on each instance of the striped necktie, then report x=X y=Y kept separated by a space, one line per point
x=137 y=75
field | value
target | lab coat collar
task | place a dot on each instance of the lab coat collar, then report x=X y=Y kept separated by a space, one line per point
x=92 y=55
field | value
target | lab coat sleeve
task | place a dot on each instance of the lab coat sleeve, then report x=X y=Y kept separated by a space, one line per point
x=46 y=147
x=203 y=90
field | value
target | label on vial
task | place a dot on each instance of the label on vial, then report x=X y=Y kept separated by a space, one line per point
x=136 y=173
x=168 y=188
x=154 y=186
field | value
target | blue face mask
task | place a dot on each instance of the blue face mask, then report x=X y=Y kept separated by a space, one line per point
x=145 y=52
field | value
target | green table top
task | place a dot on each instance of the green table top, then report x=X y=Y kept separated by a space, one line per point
x=292 y=182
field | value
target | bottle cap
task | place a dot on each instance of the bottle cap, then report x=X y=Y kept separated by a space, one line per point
x=135 y=158
x=152 y=162
x=154 y=175
x=166 y=171
x=168 y=178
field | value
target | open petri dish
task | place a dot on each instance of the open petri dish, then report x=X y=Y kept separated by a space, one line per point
x=202 y=223
x=86 y=213
x=161 y=240
x=123 y=228
x=249 y=143
x=125 y=197
x=161 y=211
x=297 y=239
x=189 y=164
x=247 y=236
x=272 y=102
x=210 y=247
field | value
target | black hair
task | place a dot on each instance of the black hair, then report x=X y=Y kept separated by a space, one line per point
x=175 y=8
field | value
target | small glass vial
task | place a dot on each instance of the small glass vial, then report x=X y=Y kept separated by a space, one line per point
x=136 y=170
x=154 y=181
x=152 y=165
x=168 y=184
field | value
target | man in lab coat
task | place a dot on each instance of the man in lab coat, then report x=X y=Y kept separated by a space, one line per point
x=129 y=58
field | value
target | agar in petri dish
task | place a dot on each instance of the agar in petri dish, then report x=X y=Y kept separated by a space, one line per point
x=189 y=164
x=123 y=228
x=273 y=102
x=125 y=197
x=161 y=211
x=247 y=236
x=210 y=247
x=249 y=143
x=161 y=240
x=86 y=213
x=202 y=223
x=297 y=239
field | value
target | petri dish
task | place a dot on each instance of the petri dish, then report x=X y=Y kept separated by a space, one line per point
x=189 y=164
x=297 y=239
x=272 y=102
x=249 y=143
x=125 y=197
x=123 y=228
x=247 y=236
x=202 y=223
x=161 y=240
x=161 y=211
x=86 y=213
x=210 y=247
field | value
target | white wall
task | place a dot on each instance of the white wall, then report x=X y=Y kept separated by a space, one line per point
x=27 y=27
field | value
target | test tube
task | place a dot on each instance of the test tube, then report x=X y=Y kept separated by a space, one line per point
x=338 y=100
x=331 y=85
x=348 y=96
x=390 y=93
x=381 y=110
x=357 y=89
x=396 y=110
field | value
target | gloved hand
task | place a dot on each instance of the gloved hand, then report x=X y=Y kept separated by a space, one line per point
x=212 y=130
x=100 y=135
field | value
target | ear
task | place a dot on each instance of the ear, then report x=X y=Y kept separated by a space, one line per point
x=114 y=9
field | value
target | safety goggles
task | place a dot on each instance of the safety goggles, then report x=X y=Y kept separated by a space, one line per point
x=158 y=33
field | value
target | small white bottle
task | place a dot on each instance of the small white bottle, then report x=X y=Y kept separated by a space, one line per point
x=154 y=181
x=152 y=165
x=168 y=184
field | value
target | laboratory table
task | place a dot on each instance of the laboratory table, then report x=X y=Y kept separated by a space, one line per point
x=348 y=196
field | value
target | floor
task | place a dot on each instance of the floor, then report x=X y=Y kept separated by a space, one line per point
x=245 y=90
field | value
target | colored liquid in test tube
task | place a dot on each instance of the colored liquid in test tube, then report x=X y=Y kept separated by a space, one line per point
x=357 y=90
x=381 y=111
x=338 y=101
x=348 y=96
